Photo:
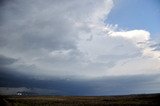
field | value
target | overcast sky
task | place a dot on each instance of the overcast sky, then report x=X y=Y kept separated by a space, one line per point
x=80 y=47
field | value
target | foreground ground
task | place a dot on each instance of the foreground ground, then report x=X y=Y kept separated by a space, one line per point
x=129 y=100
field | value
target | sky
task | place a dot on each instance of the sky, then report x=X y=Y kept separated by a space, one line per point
x=136 y=14
x=87 y=47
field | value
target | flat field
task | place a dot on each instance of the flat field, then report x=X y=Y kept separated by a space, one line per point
x=128 y=100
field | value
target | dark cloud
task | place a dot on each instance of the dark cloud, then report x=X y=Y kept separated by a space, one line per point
x=29 y=25
x=2 y=2
x=6 y=60
x=125 y=85
x=100 y=86
x=65 y=87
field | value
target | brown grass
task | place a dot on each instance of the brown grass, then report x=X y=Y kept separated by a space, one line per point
x=130 y=100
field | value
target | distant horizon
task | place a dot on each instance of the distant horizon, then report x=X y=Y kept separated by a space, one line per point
x=30 y=93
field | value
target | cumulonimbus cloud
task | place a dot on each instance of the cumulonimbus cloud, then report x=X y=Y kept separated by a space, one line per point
x=69 y=38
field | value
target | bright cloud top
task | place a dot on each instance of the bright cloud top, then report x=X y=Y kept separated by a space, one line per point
x=134 y=35
x=70 y=38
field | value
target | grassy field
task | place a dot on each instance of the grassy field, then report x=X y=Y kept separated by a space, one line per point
x=128 y=100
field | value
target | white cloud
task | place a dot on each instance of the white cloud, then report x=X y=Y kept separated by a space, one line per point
x=70 y=38
x=136 y=66
x=134 y=35
x=150 y=52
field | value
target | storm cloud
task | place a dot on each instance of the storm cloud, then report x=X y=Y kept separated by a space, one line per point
x=69 y=47
x=6 y=60
x=13 y=82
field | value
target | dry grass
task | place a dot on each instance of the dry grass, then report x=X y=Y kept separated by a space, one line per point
x=130 y=100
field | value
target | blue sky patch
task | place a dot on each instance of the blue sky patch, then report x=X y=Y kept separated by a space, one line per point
x=136 y=14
